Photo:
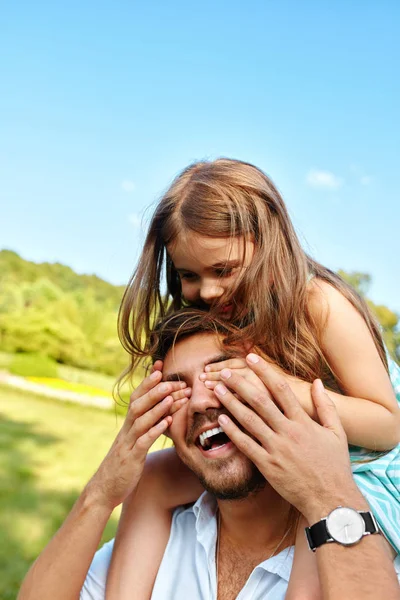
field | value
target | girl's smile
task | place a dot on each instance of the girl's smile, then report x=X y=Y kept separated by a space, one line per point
x=208 y=267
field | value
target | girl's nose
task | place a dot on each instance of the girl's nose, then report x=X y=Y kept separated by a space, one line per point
x=211 y=291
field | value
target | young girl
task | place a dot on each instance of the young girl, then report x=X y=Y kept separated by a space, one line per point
x=222 y=238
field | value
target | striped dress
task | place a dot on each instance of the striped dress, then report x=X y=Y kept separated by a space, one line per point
x=379 y=480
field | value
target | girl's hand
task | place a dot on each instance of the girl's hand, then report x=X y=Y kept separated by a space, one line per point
x=180 y=397
x=214 y=372
x=147 y=418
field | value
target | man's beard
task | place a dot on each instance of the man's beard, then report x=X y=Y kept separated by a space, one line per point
x=231 y=478
x=227 y=481
x=237 y=488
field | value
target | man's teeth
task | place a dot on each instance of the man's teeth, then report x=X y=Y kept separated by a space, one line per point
x=209 y=433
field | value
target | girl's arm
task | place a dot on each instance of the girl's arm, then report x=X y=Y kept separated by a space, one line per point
x=368 y=408
x=145 y=523
x=369 y=411
x=304 y=581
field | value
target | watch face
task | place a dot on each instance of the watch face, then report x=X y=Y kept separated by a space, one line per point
x=345 y=525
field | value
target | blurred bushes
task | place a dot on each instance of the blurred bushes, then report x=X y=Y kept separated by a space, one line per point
x=50 y=310
x=388 y=320
x=33 y=365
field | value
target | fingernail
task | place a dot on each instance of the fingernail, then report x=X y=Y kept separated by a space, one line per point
x=203 y=377
x=226 y=373
x=220 y=389
x=223 y=420
x=208 y=384
x=182 y=384
x=154 y=376
x=252 y=358
x=167 y=400
x=187 y=391
x=207 y=369
x=319 y=385
x=164 y=388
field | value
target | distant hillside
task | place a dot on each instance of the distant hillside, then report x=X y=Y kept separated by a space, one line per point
x=14 y=268
x=50 y=310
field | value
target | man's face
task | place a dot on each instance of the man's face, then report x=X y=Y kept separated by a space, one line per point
x=220 y=466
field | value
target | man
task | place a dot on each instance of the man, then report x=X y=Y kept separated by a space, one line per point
x=257 y=456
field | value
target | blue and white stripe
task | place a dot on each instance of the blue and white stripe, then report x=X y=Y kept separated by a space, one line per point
x=379 y=480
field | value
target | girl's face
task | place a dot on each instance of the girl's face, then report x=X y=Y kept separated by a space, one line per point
x=208 y=267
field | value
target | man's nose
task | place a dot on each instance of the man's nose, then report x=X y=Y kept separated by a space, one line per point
x=202 y=398
x=210 y=291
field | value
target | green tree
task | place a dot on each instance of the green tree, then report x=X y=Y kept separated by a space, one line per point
x=388 y=320
x=48 y=309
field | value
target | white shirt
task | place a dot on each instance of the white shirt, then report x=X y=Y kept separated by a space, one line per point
x=188 y=566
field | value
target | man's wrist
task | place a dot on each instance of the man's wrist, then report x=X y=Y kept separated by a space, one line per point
x=320 y=507
x=93 y=499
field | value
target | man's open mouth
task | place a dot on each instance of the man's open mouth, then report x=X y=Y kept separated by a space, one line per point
x=212 y=439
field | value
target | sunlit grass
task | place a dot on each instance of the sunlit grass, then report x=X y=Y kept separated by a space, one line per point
x=5 y=359
x=48 y=451
x=85 y=377
x=61 y=384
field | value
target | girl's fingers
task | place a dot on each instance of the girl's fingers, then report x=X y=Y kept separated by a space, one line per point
x=326 y=409
x=211 y=384
x=178 y=405
x=231 y=363
x=242 y=441
x=216 y=375
x=277 y=385
x=180 y=399
x=260 y=400
x=185 y=393
x=247 y=417
x=145 y=441
x=148 y=420
x=141 y=405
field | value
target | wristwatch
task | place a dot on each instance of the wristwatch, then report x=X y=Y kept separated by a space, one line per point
x=343 y=525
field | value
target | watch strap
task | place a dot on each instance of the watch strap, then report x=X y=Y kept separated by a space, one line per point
x=318 y=534
x=371 y=526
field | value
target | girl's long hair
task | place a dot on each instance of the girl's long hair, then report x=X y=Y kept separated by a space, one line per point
x=227 y=198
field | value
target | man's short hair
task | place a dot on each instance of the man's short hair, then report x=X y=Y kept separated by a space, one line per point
x=187 y=322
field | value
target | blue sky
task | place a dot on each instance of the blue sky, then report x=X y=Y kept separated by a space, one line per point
x=103 y=103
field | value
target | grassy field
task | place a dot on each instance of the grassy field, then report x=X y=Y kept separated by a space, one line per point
x=48 y=451
x=61 y=384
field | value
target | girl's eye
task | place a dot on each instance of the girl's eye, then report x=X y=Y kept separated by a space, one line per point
x=188 y=276
x=224 y=272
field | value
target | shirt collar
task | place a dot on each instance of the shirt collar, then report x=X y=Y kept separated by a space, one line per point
x=205 y=510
